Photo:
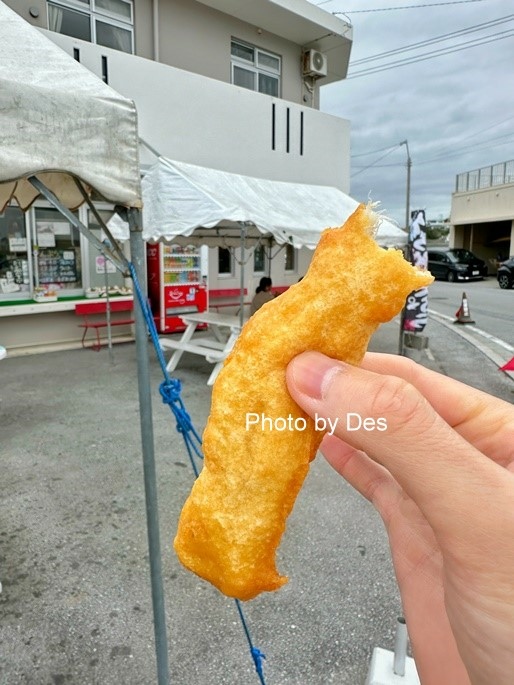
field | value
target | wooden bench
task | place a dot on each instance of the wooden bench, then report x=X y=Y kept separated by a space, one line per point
x=97 y=309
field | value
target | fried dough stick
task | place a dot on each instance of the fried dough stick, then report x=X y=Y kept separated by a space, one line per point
x=232 y=523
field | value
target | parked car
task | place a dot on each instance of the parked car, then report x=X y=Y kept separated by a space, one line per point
x=456 y=264
x=505 y=274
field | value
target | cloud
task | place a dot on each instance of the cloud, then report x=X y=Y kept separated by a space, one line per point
x=442 y=106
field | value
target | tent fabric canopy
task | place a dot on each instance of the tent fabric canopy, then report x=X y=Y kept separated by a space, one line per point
x=60 y=122
x=210 y=206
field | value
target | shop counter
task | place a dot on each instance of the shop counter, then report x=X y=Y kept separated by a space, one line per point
x=31 y=307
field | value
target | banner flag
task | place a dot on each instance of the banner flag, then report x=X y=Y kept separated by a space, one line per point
x=415 y=313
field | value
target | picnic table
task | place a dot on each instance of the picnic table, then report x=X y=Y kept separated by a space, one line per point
x=224 y=329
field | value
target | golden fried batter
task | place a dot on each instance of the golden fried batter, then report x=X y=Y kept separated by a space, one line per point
x=232 y=522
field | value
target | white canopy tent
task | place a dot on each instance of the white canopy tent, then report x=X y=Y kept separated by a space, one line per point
x=68 y=136
x=61 y=122
x=185 y=202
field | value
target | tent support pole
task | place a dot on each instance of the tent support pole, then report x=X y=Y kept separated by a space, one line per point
x=74 y=221
x=242 y=293
x=147 y=438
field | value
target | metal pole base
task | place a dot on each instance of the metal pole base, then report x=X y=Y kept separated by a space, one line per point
x=381 y=670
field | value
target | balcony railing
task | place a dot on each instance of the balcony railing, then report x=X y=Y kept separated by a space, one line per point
x=486 y=177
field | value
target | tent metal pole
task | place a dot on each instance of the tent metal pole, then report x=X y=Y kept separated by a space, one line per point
x=242 y=293
x=147 y=439
x=74 y=221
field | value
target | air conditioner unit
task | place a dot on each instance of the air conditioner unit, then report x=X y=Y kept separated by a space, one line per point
x=315 y=63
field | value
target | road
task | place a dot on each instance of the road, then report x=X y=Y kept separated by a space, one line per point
x=472 y=353
x=490 y=307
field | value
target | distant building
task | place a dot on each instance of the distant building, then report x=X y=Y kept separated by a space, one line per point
x=482 y=212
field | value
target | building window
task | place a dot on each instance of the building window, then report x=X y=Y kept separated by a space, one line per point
x=224 y=261
x=58 y=255
x=259 y=259
x=104 y=22
x=290 y=258
x=14 y=255
x=39 y=251
x=255 y=69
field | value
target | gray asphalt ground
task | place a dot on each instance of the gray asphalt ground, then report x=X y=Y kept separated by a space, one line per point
x=75 y=606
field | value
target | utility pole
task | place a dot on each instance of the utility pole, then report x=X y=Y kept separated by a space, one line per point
x=407 y=200
x=407 y=224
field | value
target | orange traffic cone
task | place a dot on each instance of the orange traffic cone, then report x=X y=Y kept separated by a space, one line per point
x=463 y=314
x=509 y=366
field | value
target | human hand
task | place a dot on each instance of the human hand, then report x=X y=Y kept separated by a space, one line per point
x=441 y=476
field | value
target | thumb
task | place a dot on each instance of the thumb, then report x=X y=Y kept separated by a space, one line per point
x=395 y=425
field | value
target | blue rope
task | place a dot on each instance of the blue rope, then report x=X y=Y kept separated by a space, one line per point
x=256 y=653
x=170 y=390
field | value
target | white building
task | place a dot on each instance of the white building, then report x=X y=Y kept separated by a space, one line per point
x=228 y=84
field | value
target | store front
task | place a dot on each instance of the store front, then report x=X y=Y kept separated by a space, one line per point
x=46 y=267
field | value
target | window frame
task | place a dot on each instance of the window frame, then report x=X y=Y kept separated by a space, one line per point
x=10 y=255
x=230 y=273
x=78 y=248
x=94 y=14
x=254 y=67
x=294 y=254
x=264 y=259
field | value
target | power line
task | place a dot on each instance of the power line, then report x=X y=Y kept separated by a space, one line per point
x=464 y=149
x=434 y=53
x=484 y=145
x=436 y=39
x=408 y=7
x=488 y=128
x=377 y=160
x=442 y=155
x=378 y=166
x=373 y=152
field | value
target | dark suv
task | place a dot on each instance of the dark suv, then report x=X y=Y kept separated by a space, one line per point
x=505 y=274
x=456 y=264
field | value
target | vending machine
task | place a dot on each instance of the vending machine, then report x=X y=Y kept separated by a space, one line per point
x=177 y=284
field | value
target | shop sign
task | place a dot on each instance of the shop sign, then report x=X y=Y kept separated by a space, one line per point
x=104 y=265
x=17 y=244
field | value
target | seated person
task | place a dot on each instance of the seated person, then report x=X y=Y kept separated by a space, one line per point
x=262 y=295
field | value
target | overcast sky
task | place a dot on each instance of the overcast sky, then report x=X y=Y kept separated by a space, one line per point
x=456 y=111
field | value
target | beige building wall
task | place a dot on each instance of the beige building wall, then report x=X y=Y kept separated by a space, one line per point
x=483 y=222
x=191 y=30
x=23 y=7
x=26 y=334
x=485 y=205
x=188 y=31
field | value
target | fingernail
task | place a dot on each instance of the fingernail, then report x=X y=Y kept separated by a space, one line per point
x=313 y=373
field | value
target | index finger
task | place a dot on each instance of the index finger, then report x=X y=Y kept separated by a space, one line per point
x=483 y=420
